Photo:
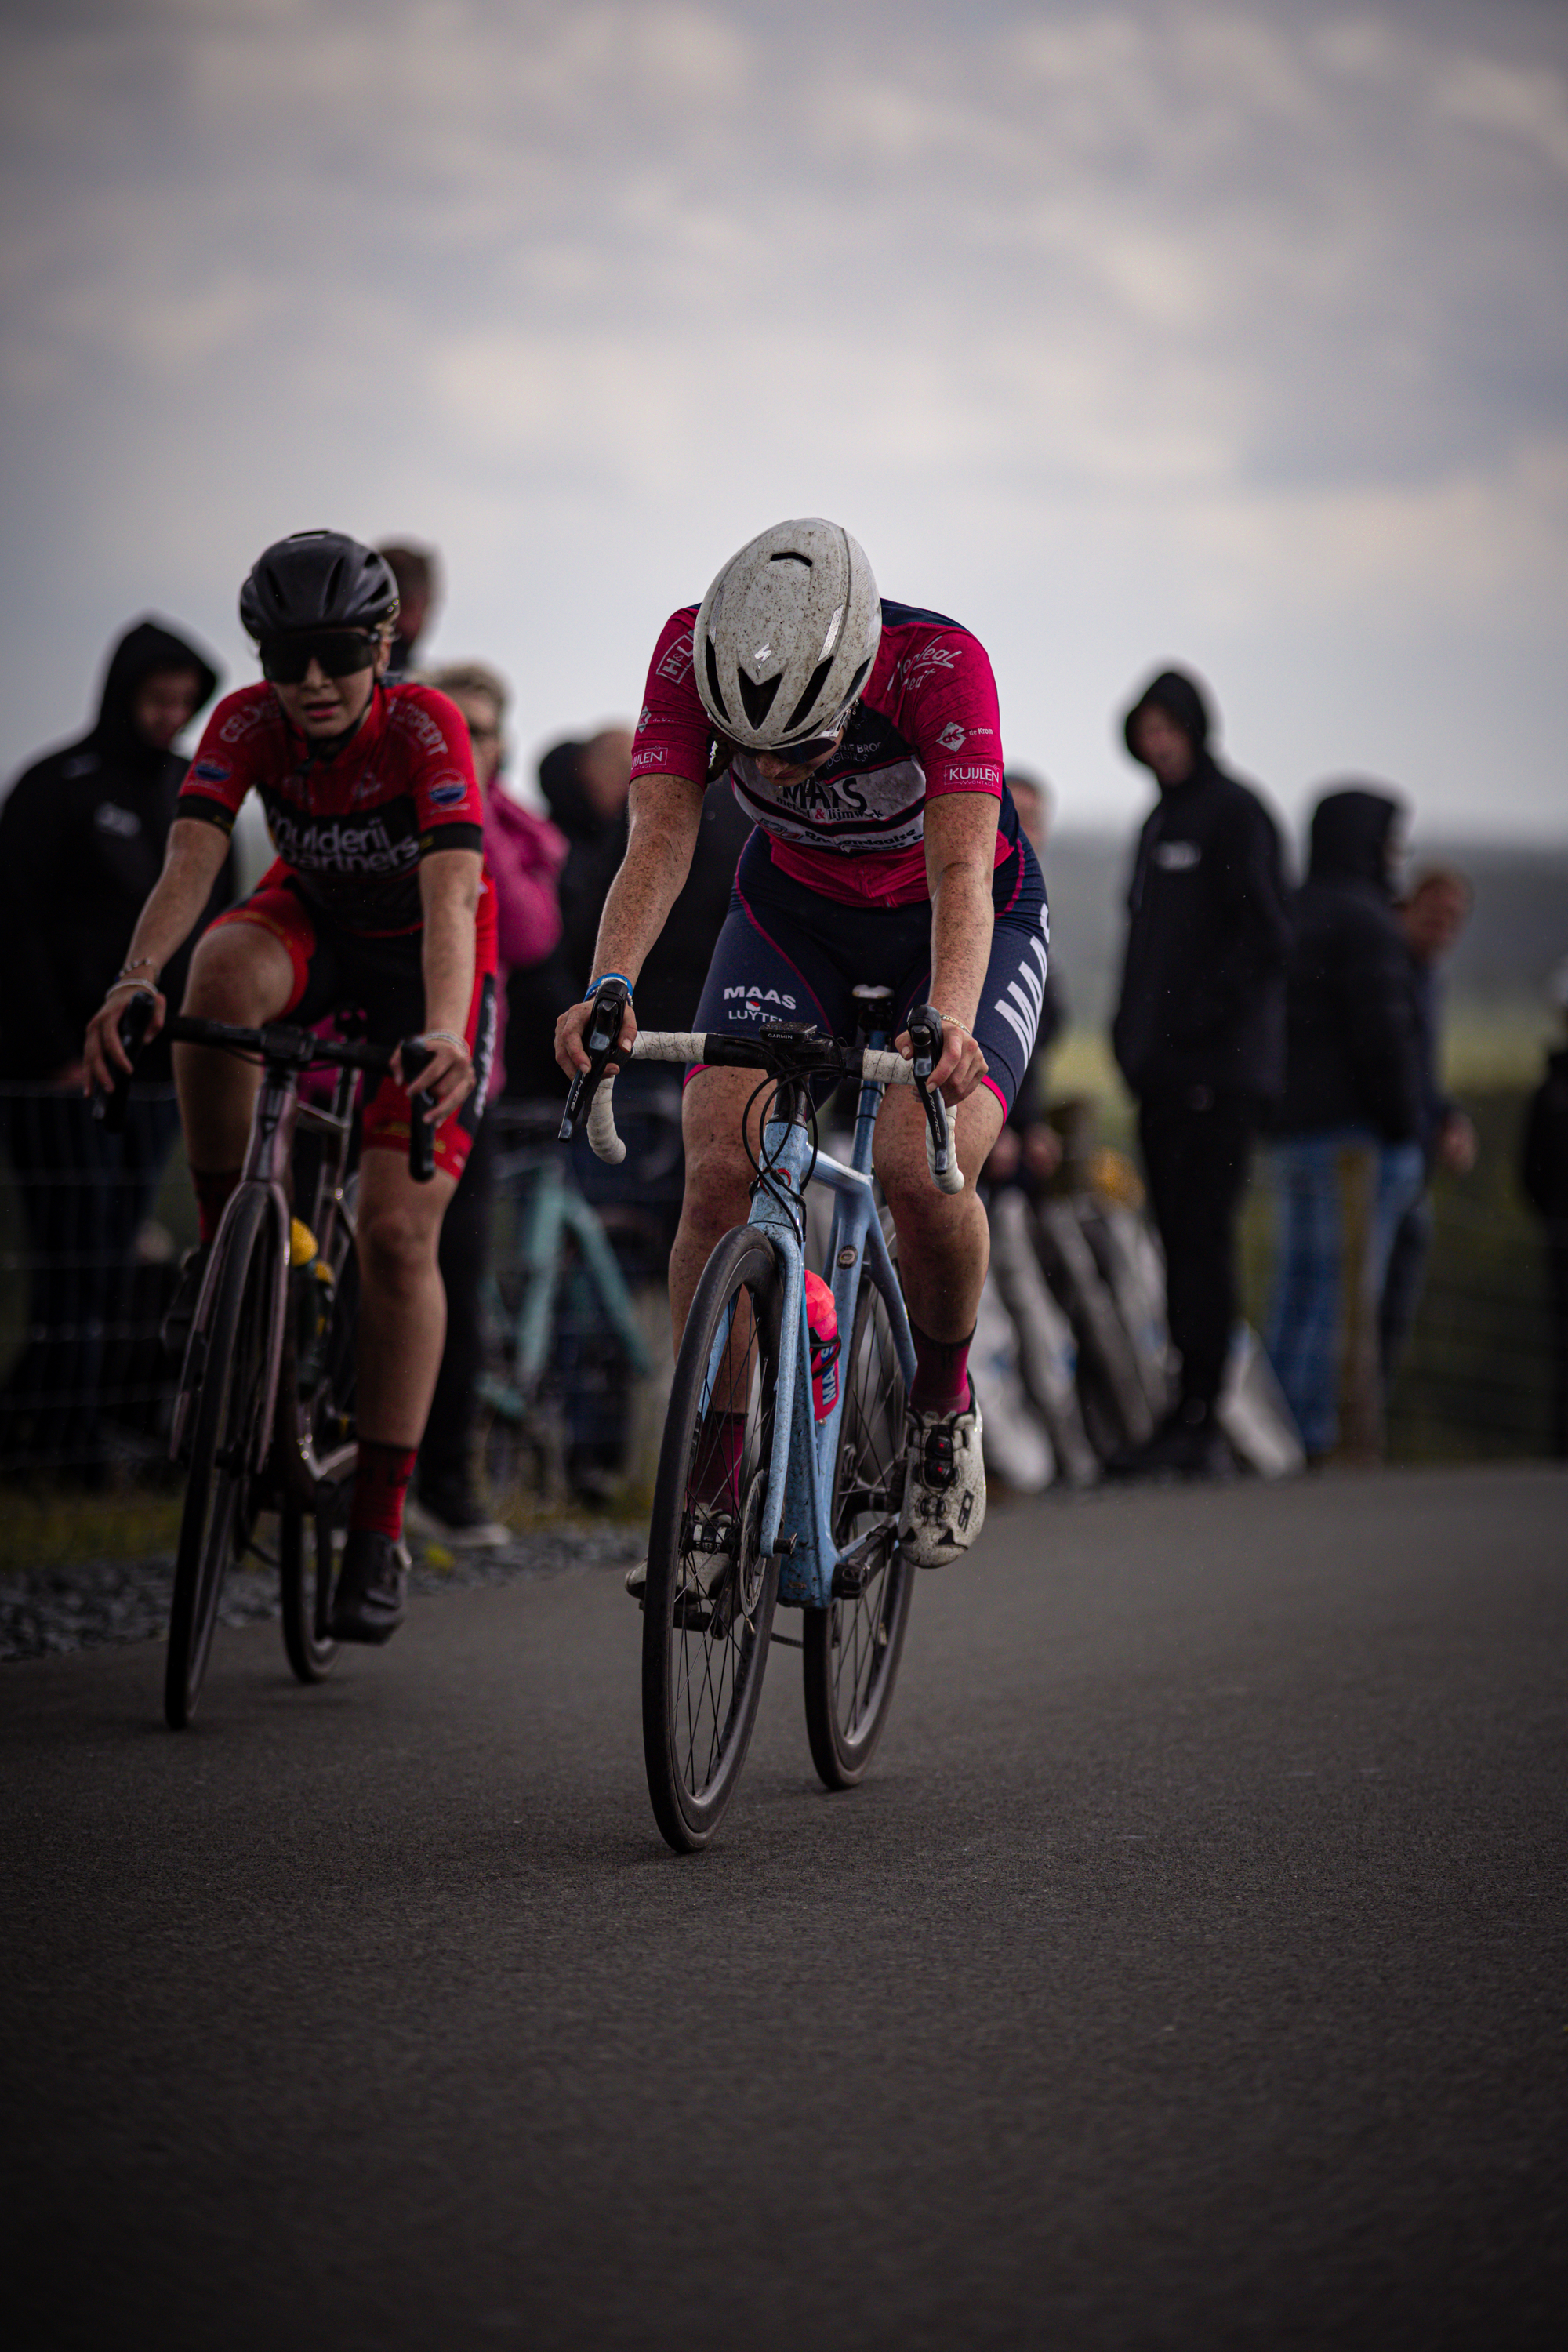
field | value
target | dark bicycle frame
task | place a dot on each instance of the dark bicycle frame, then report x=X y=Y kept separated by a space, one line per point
x=277 y=1119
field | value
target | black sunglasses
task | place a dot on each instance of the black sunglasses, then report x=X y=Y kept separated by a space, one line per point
x=812 y=746
x=340 y=652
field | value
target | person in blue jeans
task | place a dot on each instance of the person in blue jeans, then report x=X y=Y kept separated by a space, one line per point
x=1352 y=1081
x=1432 y=918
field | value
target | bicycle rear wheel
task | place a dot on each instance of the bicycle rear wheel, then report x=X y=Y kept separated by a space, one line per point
x=221 y=1494
x=850 y=1651
x=305 y=1579
x=305 y=1553
x=708 y=1610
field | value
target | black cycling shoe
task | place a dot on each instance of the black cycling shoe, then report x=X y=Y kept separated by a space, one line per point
x=181 y=1312
x=372 y=1580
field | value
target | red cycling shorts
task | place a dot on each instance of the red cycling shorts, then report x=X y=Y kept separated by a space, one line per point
x=374 y=985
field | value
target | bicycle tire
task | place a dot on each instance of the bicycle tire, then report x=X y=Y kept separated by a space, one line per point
x=221 y=1497
x=708 y=1613
x=850 y=1650
x=305 y=1588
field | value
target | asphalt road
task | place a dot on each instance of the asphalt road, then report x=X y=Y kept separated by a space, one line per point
x=1191 y=1973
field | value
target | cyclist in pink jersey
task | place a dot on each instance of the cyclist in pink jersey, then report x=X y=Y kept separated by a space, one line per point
x=378 y=904
x=863 y=737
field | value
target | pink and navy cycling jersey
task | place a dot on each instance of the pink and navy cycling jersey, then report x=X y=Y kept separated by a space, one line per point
x=352 y=823
x=853 y=829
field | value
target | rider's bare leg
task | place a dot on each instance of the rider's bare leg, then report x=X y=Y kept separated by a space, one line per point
x=718 y=1176
x=944 y=1241
x=239 y=973
x=402 y=1306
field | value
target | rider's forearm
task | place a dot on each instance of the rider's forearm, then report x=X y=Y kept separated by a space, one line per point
x=449 y=894
x=191 y=862
x=666 y=814
x=960 y=922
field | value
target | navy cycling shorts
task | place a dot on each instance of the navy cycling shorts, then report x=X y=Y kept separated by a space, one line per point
x=787 y=954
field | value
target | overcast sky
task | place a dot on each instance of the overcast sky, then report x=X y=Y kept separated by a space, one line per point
x=1231 y=335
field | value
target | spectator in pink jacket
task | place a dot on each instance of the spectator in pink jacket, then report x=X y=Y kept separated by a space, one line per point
x=524 y=855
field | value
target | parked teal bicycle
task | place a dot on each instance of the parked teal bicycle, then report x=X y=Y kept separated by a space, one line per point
x=557 y=1293
x=759 y=1503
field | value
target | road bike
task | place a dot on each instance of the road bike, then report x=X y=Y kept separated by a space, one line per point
x=264 y=1414
x=769 y=1493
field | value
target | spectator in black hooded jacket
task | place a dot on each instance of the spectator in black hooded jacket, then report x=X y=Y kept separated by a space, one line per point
x=1199 y=1036
x=82 y=834
x=1352 y=1075
x=1544 y=1172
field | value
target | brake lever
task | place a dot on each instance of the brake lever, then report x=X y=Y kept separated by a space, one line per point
x=421 y=1103
x=602 y=1040
x=111 y=1108
x=925 y=1037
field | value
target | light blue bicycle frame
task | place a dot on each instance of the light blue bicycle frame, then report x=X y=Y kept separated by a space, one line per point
x=796 y=1514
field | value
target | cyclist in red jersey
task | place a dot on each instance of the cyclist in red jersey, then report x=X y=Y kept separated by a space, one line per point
x=863 y=737
x=378 y=904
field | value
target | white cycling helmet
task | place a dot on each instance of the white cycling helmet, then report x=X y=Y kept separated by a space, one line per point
x=786 y=635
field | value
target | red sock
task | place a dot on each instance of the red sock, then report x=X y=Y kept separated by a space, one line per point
x=213 y=1187
x=716 y=1474
x=942 y=1372
x=381 y=1483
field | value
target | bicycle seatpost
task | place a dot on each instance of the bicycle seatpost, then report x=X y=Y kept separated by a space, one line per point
x=111 y=1108
x=421 y=1134
x=600 y=1041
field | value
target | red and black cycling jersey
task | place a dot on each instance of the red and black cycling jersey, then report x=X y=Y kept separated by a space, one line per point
x=351 y=819
x=853 y=830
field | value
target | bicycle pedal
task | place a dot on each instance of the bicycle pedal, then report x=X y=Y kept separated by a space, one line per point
x=711 y=1536
x=694 y=1612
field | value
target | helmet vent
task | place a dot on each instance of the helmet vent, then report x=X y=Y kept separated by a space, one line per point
x=790 y=555
x=814 y=686
x=714 y=687
x=758 y=700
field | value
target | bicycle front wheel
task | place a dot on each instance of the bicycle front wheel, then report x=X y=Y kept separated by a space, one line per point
x=708 y=1610
x=850 y=1650
x=221 y=1495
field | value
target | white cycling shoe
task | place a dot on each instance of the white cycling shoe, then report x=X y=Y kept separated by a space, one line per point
x=945 y=1485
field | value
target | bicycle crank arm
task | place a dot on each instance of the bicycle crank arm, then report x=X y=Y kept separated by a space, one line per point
x=864 y=1560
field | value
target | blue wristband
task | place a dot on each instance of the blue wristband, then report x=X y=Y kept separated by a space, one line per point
x=603 y=976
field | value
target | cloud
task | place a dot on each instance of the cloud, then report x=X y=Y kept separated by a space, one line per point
x=1262 y=302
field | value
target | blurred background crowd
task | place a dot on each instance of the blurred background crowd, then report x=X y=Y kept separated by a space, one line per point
x=1225 y=334
x=1243 y=1214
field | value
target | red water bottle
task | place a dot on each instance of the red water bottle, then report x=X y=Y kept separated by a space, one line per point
x=822 y=1322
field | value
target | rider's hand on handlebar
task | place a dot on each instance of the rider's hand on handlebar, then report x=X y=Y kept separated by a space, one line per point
x=571 y=1029
x=104 y=1058
x=448 y=1075
x=961 y=1069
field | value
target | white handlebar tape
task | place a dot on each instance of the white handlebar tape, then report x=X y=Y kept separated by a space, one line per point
x=668 y=1045
x=602 y=1133
x=951 y=1178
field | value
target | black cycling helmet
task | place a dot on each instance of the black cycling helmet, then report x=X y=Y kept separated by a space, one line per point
x=317 y=579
